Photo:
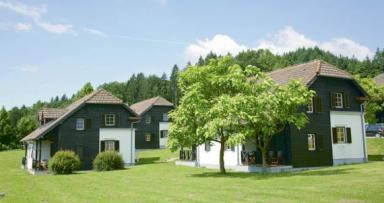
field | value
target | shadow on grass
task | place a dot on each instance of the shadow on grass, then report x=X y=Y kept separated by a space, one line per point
x=376 y=157
x=149 y=160
x=260 y=176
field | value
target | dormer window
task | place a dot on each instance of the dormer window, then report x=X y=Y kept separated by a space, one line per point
x=110 y=120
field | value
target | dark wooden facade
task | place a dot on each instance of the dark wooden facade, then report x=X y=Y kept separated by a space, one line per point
x=86 y=142
x=143 y=128
x=293 y=143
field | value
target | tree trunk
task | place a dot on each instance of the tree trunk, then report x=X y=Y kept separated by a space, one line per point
x=264 y=156
x=222 y=146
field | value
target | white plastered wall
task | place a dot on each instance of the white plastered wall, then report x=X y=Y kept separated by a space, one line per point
x=349 y=152
x=126 y=138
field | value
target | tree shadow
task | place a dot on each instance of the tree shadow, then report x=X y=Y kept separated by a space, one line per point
x=261 y=176
x=148 y=160
x=376 y=157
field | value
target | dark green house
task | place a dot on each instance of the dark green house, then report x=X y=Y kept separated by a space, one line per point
x=152 y=130
x=334 y=135
x=95 y=123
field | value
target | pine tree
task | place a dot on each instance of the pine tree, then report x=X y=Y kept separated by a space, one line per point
x=173 y=85
x=6 y=132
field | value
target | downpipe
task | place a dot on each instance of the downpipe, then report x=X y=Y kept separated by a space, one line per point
x=363 y=131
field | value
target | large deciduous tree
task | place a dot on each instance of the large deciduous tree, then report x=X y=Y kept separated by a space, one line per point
x=202 y=114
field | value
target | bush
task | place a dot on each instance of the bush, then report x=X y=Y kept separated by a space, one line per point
x=108 y=160
x=64 y=162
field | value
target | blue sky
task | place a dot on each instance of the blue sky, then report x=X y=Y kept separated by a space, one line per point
x=50 y=48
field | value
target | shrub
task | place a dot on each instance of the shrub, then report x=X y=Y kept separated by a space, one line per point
x=108 y=160
x=64 y=162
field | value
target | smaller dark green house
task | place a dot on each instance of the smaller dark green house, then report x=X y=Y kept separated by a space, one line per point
x=98 y=122
x=152 y=130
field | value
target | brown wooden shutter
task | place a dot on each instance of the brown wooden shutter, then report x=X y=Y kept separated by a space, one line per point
x=88 y=123
x=117 y=119
x=102 y=120
x=334 y=132
x=102 y=145
x=346 y=102
x=117 y=147
x=349 y=135
x=332 y=99
x=317 y=104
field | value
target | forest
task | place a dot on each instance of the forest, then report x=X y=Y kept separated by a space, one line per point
x=17 y=122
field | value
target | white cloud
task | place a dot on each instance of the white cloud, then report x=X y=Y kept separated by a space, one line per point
x=23 y=26
x=220 y=44
x=285 y=40
x=35 y=13
x=347 y=47
x=27 y=68
x=95 y=32
x=288 y=39
x=54 y=28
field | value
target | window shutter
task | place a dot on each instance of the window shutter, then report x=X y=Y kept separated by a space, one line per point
x=349 y=136
x=346 y=100
x=88 y=123
x=319 y=142
x=332 y=99
x=117 y=119
x=102 y=120
x=102 y=145
x=117 y=147
x=317 y=104
x=334 y=132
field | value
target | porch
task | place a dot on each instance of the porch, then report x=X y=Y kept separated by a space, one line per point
x=36 y=156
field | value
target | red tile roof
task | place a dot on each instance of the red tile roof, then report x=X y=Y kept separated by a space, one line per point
x=307 y=72
x=143 y=106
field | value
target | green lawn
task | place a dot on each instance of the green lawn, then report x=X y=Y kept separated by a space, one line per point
x=156 y=180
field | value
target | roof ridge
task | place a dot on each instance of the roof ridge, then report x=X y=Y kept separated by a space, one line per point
x=291 y=66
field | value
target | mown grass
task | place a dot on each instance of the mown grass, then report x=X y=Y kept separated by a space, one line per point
x=156 y=180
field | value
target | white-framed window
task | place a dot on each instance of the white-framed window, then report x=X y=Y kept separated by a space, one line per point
x=110 y=119
x=340 y=135
x=163 y=133
x=148 y=119
x=338 y=100
x=80 y=124
x=310 y=107
x=311 y=142
x=165 y=117
x=147 y=137
x=109 y=145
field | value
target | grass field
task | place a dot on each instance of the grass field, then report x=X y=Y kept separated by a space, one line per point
x=155 y=180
